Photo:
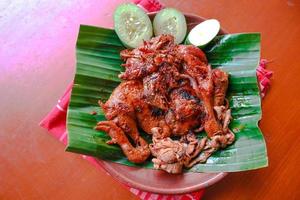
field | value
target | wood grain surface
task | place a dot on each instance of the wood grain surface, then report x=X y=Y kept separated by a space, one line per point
x=37 y=59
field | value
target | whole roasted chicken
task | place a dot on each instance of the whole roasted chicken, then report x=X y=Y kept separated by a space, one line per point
x=168 y=90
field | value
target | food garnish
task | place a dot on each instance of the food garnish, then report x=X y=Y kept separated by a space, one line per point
x=203 y=33
x=132 y=25
x=170 y=21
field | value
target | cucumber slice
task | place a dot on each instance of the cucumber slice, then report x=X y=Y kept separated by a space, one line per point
x=203 y=33
x=170 y=21
x=132 y=25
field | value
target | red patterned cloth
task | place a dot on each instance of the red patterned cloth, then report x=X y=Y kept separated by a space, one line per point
x=149 y=5
x=55 y=121
x=264 y=77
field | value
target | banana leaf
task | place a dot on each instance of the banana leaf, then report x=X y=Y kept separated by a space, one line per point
x=98 y=66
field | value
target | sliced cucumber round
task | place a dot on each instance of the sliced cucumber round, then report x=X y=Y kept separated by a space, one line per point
x=132 y=25
x=170 y=21
x=203 y=33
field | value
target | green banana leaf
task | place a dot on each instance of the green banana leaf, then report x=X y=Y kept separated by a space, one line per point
x=98 y=66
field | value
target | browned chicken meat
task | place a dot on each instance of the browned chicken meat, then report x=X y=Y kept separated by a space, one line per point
x=185 y=112
x=148 y=58
x=172 y=155
x=168 y=90
x=158 y=85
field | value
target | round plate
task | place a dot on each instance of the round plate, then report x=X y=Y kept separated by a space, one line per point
x=157 y=181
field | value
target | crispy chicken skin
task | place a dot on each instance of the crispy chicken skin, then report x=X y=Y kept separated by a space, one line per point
x=158 y=85
x=185 y=112
x=195 y=66
x=148 y=58
x=120 y=112
x=168 y=90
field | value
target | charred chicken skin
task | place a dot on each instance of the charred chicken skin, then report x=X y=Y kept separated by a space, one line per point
x=168 y=90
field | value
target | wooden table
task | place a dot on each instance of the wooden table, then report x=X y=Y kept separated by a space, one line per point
x=37 y=62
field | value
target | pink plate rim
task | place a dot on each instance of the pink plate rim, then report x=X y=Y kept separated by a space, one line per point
x=132 y=183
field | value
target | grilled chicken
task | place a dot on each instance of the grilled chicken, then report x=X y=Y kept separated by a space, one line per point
x=168 y=90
